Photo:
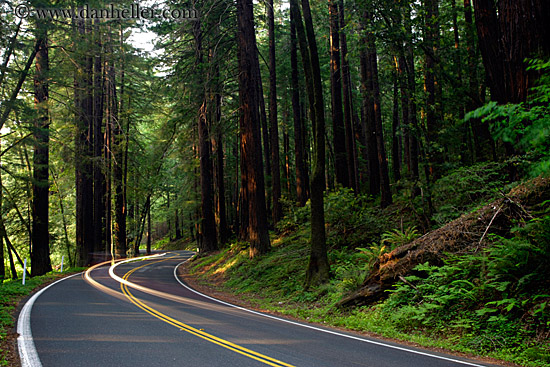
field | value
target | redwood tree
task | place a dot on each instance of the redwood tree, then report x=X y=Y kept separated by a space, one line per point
x=338 y=129
x=318 y=269
x=302 y=176
x=252 y=177
x=273 y=122
x=207 y=233
x=84 y=148
x=510 y=31
x=40 y=252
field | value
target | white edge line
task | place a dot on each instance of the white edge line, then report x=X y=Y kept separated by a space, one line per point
x=319 y=329
x=27 y=350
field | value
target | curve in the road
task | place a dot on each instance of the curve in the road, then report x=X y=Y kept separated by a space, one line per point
x=364 y=340
x=375 y=342
x=145 y=303
x=191 y=330
x=27 y=351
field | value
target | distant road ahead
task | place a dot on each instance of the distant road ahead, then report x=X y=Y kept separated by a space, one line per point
x=142 y=315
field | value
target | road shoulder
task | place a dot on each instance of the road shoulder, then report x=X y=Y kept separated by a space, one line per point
x=214 y=287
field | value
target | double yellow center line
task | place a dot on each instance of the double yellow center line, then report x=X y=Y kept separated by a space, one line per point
x=191 y=330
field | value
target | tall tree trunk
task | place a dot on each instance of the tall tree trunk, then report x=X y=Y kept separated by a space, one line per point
x=84 y=151
x=252 y=167
x=177 y=226
x=351 y=151
x=40 y=254
x=286 y=150
x=265 y=138
x=107 y=158
x=367 y=88
x=149 y=234
x=207 y=232
x=431 y=36
x=218 y=144
x=386 y=197
x=361 y=133
x=221 y=207
x=338 y=129
x=273 y=120
x=509 y=32
x=396 y=152
x=98 y=170
x=318 y=269
x=411 y=82
x=119 y=225
x=404 y=109
x=302 y=176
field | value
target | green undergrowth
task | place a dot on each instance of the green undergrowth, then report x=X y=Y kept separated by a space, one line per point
x=494 y=302
x=11 y=292
x=166 y=244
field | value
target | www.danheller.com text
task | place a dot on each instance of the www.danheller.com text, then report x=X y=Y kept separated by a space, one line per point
x=133 y=11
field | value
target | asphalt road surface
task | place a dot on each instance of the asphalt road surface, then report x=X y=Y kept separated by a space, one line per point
x=139 y=313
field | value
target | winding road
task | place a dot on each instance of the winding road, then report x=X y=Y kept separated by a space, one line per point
x=139 y=313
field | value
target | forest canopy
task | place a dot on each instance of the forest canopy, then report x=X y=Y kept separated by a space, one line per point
x=216 y=134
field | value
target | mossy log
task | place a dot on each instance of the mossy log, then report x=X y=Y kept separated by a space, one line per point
x=467 y=234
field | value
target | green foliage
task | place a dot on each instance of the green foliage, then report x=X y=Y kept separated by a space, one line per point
x=397 y=238
x=525 y=125
x=465 y=188
x=349 y=269
x=369 y=254
x=494 y=300
x=351 y=222
x=295 y=216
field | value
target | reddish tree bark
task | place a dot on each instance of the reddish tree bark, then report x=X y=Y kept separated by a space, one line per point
x=252 y=168
x=509 y=32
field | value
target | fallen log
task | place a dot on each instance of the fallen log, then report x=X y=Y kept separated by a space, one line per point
x=467 y=234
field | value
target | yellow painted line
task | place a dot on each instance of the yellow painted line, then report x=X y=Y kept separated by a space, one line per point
x=191 y=330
